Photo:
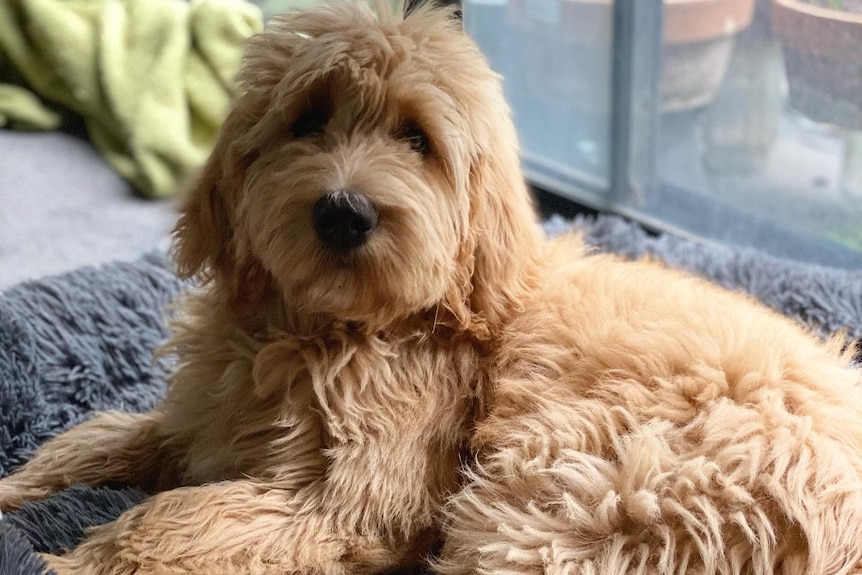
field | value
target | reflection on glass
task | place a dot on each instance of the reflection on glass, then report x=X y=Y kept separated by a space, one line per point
x=759 y=125
x=779 y=141
x=556 y=61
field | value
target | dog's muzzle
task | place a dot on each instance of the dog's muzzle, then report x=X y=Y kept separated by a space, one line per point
x=343 y=219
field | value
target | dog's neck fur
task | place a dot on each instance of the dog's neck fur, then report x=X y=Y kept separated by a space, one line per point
x=274 y=317
x=336 y=360
x=477 y=313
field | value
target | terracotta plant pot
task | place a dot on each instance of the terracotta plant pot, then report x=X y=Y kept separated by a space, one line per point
x=823 y=60
x=576 y=36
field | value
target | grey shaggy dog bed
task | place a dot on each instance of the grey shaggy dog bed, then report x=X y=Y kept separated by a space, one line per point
x=82 y=342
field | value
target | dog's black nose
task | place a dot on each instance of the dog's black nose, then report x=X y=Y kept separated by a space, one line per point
x=344 y=219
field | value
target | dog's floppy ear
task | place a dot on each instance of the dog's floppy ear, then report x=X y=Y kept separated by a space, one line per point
x=203 y=233
x=500 y=254
x=504 y=238
x=205 y=243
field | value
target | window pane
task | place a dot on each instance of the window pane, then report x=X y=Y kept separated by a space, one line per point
x=756 y=137
x=555 y=57
x=773 y=135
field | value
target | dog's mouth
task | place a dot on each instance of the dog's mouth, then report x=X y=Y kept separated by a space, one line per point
x=343 y=261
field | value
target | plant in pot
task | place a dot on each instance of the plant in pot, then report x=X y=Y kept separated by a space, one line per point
x=822 y=44
x=740 y=125
x=557 y=59
x=576 y=35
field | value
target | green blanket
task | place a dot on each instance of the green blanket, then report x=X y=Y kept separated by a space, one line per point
x=151 y=79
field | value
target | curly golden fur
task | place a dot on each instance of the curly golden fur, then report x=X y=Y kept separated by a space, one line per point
x=456 y=383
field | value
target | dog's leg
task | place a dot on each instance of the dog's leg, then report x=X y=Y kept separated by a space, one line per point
x=374 y=510
x=226 y=528
x=112 y=447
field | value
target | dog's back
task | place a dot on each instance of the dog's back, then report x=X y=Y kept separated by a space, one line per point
x=648 y=422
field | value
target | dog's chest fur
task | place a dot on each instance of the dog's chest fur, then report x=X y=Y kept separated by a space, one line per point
x=283 y=410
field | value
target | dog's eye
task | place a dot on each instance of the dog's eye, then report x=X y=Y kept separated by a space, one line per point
x=416 y=139
x=311 y=123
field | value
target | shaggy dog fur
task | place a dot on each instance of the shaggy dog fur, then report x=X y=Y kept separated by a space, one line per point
x=455 y=383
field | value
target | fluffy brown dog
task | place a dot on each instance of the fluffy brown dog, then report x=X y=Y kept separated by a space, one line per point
x=388 y=357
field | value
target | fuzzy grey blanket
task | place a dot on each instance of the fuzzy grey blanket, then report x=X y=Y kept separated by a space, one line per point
x=81 y=342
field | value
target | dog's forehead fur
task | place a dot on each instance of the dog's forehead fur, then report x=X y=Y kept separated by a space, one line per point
x=349 y=38
x=420 y=64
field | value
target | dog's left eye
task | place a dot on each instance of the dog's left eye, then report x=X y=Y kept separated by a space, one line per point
x=310 y=123
x=416 y=138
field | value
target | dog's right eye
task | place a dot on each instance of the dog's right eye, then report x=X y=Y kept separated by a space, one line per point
x=416 y=138
x=310 y=123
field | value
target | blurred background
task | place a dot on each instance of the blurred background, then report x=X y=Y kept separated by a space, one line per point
x=734 y=122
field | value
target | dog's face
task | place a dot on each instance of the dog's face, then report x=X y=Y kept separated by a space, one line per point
x=349 y=177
